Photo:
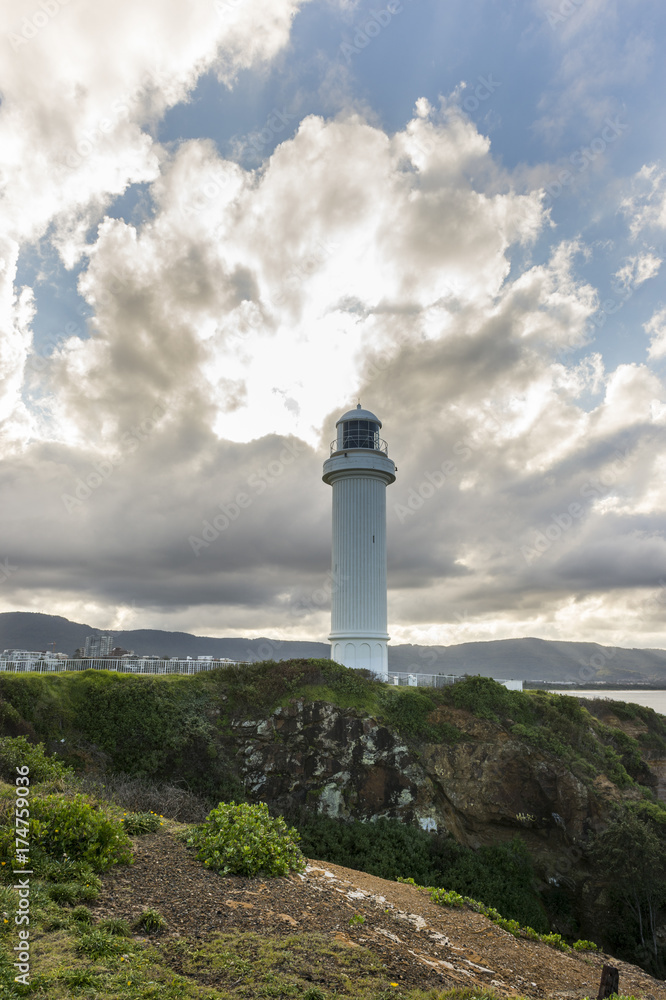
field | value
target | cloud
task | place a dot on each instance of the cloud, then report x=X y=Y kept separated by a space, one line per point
x=83 y=85
x=177 y=448
x=656 y=328
x=645 y=205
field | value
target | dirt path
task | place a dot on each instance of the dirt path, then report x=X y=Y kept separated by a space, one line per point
x=420 y=943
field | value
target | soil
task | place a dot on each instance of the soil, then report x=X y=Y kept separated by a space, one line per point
x=420 y=943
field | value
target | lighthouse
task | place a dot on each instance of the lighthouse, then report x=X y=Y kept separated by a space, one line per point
x=359 y=470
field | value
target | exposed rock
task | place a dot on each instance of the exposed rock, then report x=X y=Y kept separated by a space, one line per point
x=486 y=788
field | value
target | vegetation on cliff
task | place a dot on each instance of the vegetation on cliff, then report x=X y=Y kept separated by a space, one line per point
x=188 y=730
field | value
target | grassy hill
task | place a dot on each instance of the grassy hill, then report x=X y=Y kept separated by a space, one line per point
x=524 y=790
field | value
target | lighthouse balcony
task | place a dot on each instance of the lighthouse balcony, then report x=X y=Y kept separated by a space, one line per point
x=363 y=442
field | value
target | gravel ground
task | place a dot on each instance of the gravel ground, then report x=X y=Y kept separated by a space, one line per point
x=420 y=944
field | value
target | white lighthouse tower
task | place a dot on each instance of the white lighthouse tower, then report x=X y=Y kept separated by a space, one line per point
x=359 y=470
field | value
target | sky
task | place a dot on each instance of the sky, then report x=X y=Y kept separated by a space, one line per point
x=224 y=222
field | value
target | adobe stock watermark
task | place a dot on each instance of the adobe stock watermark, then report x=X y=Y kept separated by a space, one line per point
x=38 y=361
x=582 y=157
x=296 y=276
x=482 y=90
x=434 y=480
x=594 y=489
x=316 y=601
x=103 y=469
x=563 y=12
x=365 y=31
x=33 y=23
x=6 y=570
x=588 y=671
x=254 y=143
x=258 y=482
x=320 y=596
x=120 y=110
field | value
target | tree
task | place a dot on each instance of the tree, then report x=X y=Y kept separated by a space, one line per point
x=630 y=862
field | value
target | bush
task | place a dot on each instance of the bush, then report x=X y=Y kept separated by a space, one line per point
x=15 y=751
x=141 y=822
x=116 y=926
x=555 y=941
x=82 y=915
x=150 y=921
x=96 y=944
x=71 y=893
x=583 y=945
x=76 y=830
x=246 y=840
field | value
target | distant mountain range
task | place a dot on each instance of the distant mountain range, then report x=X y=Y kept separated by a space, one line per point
x=522 y=659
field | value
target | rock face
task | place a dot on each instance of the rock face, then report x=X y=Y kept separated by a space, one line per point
x=485 y=788
x=334 y=762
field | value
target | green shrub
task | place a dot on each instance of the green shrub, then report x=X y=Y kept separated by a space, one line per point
x=150 y=921
x=82 y=915
x=65 y=870
x=141 y=822
x=96 y=944
x=116 y=926
x=75 y=829
x=71 y=893
x=583 y=945
x=555 y=941
x=408 y=711
x=15 y=751
x=314 y=993
x=242 y=839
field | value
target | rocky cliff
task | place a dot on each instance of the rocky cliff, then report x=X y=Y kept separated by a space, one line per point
x=485 y=786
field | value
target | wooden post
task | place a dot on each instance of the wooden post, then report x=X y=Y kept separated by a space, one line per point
x=610 y=982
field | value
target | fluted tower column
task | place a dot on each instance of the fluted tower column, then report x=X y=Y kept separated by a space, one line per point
x=359 y=470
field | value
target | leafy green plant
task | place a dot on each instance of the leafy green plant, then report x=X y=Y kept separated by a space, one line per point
x=75 y=829
x=82 y=915
x=356 y=919
x=243 y=839
x=584 y=945
x=71 y=893
x=96 y=944
x=15 y=751
x=555 y=941
x=141 y=822
x=116 y=926
x=408 y=711
x=65 y=870
x=151 y=921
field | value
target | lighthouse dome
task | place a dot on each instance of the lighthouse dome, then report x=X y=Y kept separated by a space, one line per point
x=359 y=414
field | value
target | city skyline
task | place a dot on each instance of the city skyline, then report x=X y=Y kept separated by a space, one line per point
x=225 y=223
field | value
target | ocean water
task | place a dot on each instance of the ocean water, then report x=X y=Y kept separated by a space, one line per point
x=652 y=699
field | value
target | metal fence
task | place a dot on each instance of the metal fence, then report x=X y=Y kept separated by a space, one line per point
x=144 y=665
x=442 y=680
x=125 y=666
x=422 y=680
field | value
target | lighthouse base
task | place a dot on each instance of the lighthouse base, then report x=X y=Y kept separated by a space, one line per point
x=366 y=652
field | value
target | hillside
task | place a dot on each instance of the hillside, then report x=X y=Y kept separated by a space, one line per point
x=519 y=789
x=523 y=659
x=341 y=931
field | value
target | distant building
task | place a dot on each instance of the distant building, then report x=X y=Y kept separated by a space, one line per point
x=98 y=645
